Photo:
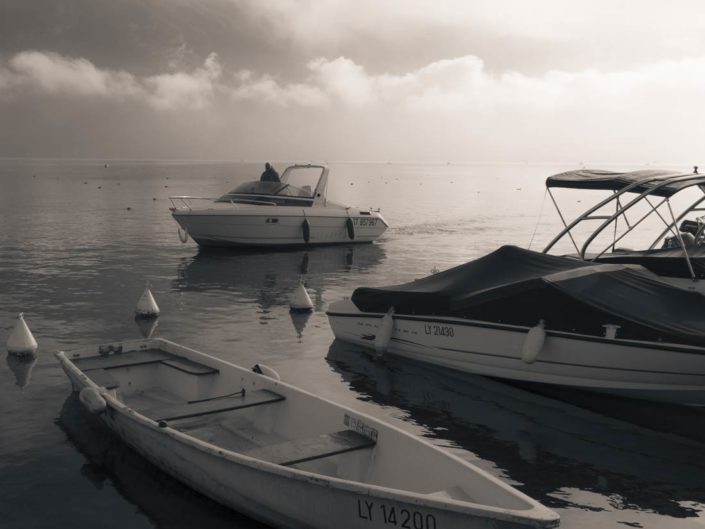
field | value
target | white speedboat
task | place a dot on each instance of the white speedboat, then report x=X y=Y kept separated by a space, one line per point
x=282 y=455
x=292 y=212
x=635 y=199
x=523 y=315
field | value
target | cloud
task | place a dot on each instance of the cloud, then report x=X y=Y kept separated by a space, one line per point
x=53 y=74
x=50 y=74
x=194 y=89
x=265 y=89
x=449 y=108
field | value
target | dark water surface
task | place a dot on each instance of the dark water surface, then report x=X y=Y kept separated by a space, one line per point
x=79 y=240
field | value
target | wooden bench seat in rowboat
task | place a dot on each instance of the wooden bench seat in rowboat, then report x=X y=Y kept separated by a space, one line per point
x=172 y=412
x=136 y=358
x=302 y=450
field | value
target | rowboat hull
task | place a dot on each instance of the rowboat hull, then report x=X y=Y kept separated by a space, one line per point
x=654 y=371
x=309 y=494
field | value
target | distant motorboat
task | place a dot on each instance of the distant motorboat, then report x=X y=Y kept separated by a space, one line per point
x=292 y=212
x=280 y=454
x=523 y=315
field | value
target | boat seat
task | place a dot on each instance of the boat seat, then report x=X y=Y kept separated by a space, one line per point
x=136 y=358
x=173 y=412
x=190 y=367
x=104 y=379
x=133 y=358
x=302 y=450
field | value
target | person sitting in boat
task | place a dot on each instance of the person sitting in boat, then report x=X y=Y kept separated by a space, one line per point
x=270 y=174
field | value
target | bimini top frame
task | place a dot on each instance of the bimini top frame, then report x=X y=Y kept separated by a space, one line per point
x=645 y=184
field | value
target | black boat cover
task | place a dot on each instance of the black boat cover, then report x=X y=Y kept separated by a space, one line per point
x=520 y=287
x=615 y=181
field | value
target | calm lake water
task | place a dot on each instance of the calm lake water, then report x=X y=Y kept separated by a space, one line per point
x=79 y=240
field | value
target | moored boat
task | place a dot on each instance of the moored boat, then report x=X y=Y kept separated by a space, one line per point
x=635 y=199
x=527 y=316
x=280 y=454
x=294 y=211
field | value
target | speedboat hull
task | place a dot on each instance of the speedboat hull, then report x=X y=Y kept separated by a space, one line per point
x=631 y=368
x=247 y=225
x=235 y=453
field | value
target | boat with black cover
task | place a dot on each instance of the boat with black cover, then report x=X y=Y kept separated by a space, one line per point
x=525 y=315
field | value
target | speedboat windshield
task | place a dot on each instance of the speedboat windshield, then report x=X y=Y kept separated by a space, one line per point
x=298 y=184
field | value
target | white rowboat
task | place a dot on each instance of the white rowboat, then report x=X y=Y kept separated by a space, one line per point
x=280 y=454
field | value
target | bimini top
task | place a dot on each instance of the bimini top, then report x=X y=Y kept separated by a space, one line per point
x=614 y=181
x=520 y=287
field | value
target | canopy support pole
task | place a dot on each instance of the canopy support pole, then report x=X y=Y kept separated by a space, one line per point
x=685 y=212
x=565 y=224
x=680 y=239
x=631 y=228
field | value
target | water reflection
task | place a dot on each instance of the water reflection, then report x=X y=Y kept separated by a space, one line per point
x=546 y=445
x=299 y=319
x=167 y=503
x=269 y=277
x=147 y=326
x=21 y=367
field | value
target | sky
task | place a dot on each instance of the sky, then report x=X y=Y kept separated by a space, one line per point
x=507 y=81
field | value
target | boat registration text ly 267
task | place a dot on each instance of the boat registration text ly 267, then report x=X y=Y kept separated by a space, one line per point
x=364 y=221
x=375 y=511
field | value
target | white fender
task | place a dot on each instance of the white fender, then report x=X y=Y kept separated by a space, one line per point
x=92 y=400
x=21 y=342
x=533 y=343
x=183 y=235
x=611 y=330
x=265 y=371
x=300 y=300
x=147 y=307
x=384 y=331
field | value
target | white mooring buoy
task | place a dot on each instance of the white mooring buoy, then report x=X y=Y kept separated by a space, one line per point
x=533 y=343
x=300 y=300
x=21 y=342
x=146 y=306
x=384 y=332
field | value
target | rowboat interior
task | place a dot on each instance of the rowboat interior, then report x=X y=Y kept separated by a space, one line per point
x=238 y=411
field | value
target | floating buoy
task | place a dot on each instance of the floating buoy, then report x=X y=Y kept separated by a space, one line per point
x=265 y=371
x=306 y=228
x=351 y=228
x=92 y=400
x=147 y=307
x=533 y=343
x=384 y=332
x=611 y=330
x=183 y=234
x=300 y=300
x=21 y=342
